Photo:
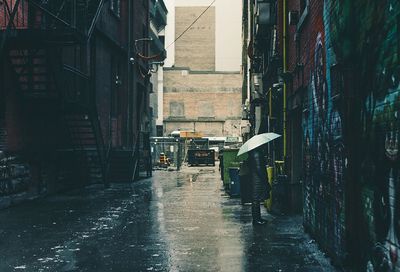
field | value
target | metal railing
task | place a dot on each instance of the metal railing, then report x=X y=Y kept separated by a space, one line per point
x=75 y=86
x=76 y=90
x=79 y=15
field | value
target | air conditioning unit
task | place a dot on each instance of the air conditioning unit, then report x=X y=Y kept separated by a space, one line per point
x=265 y=14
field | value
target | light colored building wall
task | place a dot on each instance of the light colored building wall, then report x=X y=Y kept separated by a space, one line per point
x=185 y=80
x=195 y=49
x=205 y=102
x=194 y=105
x=228 y=27
x=206 y=97
x=213 y=129
x=170 y=33
x=208 y=129
x=160 y=90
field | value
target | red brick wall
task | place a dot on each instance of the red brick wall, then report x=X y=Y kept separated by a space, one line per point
x=323 y=158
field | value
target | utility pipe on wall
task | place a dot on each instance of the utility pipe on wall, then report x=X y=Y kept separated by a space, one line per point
x=284 y=83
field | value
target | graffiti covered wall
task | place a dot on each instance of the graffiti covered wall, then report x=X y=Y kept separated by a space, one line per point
x=379 y=178
x=324 y=213
x=359 y=41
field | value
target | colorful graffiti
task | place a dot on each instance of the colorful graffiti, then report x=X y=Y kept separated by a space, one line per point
x=324 y=157
x=380 y=183
x=363 y=35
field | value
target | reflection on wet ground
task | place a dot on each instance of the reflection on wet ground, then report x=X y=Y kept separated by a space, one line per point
x=176 y=221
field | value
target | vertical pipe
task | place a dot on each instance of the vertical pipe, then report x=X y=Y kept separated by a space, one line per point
x=269 y=120
x=129 y=81
x=248 y=39
x=284 y=84
x=270 y=103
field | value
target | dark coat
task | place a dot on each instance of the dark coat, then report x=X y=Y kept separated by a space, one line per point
x=258 y=174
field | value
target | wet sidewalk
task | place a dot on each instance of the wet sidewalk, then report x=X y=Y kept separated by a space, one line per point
x=176 y=221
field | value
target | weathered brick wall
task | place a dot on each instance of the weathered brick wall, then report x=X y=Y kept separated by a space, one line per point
x=349 y=82
x=207 y=128
x=366 y=43
x=195 y=49
x=202 y=102
x=308 y=44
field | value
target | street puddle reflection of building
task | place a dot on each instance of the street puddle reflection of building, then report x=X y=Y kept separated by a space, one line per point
x=200 y=236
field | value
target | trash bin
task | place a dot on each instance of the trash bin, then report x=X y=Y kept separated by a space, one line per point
x=245 y=183
x=230 y=159
x=234 y=186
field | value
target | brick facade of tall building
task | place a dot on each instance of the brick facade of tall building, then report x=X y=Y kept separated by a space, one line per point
x=73 y=95
x=196 y=96
x=202 y=101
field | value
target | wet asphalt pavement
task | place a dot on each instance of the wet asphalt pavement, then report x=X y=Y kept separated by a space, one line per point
x=175 y=221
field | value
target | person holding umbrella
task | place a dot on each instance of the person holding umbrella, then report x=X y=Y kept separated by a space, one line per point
x=258 y=175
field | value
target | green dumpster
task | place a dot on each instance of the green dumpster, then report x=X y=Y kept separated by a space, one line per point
x=231 y=160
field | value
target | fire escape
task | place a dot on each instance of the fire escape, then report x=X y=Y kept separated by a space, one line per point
x=46 y=44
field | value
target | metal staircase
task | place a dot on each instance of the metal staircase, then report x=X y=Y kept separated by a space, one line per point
x=85 y=144
x=33 y=34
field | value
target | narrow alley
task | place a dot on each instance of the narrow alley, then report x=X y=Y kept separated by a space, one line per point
x=174 y=221
x=147 y=135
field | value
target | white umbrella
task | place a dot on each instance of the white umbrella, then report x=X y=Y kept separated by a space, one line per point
x=257 y=141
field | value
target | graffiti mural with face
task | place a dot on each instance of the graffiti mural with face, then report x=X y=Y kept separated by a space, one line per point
x=382 y=200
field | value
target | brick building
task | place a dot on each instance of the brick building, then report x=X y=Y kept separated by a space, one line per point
x=202 y=86
x=73 y=100
x=331 y=67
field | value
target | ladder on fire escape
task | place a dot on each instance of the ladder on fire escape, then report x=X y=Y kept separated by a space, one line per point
x=36 y=69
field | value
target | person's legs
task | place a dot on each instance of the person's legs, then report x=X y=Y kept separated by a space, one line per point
x=256 y=213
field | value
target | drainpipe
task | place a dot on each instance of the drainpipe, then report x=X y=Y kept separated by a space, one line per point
x=128 y=119
x=271 y=154
x=284 y=84
x=249 y=35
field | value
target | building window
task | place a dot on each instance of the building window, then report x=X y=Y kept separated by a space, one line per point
x=115 y=6
x=176 y=109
